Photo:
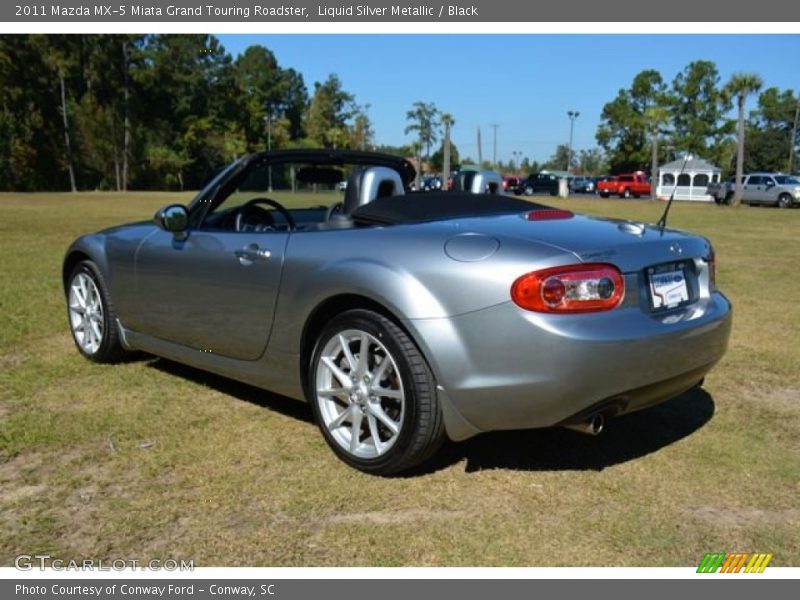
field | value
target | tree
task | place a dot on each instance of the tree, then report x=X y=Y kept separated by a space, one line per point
x=655 y=117
x=770 y=131
x=423 y=120
x=740 y=86
x=328 y=114
x=623 y=132
x=592 y=162
x=447 y=148
x=60 y=57
x=698 y=112
x=437 y=160
x=362 y=129
x=559 y=158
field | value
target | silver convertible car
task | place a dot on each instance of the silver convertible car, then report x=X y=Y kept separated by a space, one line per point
x=403 y=318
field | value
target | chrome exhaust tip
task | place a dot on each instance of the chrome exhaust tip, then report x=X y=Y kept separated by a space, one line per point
x=594 y=425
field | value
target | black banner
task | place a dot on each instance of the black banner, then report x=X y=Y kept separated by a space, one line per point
x=514 y=11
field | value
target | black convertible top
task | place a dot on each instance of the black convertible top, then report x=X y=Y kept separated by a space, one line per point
x=435 y=206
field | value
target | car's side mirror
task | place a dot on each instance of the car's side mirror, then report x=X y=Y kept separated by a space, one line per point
x=173 y=218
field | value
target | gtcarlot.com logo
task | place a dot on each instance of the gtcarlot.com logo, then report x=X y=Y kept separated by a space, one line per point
x=738 y=562
x=28 y=562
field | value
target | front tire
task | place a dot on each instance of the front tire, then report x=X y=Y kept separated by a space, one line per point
x=529 y=190
x=626 y=194
x=373 y=394
x=91 y=315
x=785 y=201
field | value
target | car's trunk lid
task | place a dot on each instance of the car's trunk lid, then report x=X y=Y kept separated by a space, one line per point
x=628 y=245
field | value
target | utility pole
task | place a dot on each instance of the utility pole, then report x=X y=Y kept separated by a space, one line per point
x=494 y=126
x=793 y=140
x=268 y=119
x=572 y=114
x=480 y=149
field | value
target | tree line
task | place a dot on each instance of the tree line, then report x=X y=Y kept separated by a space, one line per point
x=119 y=112
x=653 y=121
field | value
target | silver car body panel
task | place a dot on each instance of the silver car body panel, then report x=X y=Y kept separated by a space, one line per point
x=448 y=284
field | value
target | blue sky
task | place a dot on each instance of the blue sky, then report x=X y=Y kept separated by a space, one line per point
x=524 y=83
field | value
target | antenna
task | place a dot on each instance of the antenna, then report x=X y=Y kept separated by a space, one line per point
x=662 y=222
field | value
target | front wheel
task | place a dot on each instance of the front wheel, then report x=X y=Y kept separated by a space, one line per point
x=785 y=201
x=373 y=394
x=528 y=190
x=92 y=319
x=626 y=194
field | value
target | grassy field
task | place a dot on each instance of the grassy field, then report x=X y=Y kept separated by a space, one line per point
x=150 y=459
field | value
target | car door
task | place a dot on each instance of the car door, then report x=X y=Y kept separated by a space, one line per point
x=770 y=193
x=215 y=291
x=751 y=192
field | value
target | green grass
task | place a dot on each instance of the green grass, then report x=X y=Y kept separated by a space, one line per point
x=232 y=475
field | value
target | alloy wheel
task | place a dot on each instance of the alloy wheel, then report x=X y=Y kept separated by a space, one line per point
x=360 y=394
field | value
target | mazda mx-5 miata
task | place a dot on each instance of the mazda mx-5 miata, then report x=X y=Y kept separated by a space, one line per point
x=403 y=318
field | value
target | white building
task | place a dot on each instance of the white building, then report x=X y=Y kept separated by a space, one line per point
x=691 y=183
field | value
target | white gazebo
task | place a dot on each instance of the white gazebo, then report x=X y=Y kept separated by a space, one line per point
x=691 y=179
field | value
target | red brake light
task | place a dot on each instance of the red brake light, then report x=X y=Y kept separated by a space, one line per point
x=570 y=289
x=549 y=214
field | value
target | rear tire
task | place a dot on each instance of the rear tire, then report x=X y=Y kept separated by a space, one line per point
x=626 y=193
x=91 y=315
x=373 y=394
x=604 y=194
x=528 y=190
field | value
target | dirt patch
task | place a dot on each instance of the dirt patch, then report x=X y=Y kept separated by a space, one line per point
x=10 y=494
x=746 y=517
x=395 y=517
x=12 y=360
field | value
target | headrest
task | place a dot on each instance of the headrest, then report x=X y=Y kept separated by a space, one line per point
x=370 y=183
x=487 y=182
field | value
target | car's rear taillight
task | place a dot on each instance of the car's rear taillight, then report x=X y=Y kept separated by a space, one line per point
x=570 y=289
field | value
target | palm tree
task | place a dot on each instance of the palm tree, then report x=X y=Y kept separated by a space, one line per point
x=447 y=121
x=423 y=120
x=655 y=118
x=740 y=86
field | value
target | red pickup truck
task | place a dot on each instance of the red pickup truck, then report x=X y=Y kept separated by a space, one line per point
x=625 y=186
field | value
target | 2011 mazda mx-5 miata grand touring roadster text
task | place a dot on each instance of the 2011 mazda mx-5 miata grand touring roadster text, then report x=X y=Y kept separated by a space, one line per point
x=403 y=318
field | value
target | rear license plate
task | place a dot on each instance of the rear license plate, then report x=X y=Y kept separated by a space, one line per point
x=667 y=287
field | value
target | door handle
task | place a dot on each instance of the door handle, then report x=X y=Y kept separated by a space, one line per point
x=251 y=253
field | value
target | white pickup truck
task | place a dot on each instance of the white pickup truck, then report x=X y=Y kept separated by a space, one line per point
x=774 y=189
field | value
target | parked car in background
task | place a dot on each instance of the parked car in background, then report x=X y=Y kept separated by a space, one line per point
x=511 y=183
x=582 y=185
x=775 y=189
x=430 y=183
x=625 y=186
x=538 y=182
x=598 y=179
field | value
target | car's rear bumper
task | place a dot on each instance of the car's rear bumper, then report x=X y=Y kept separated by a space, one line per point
x=506 y=368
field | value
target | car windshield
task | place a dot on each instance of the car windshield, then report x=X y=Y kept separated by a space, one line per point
x=786 y=180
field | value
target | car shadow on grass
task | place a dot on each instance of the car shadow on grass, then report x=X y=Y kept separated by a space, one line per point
x=236 y=389
x=624 y=438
